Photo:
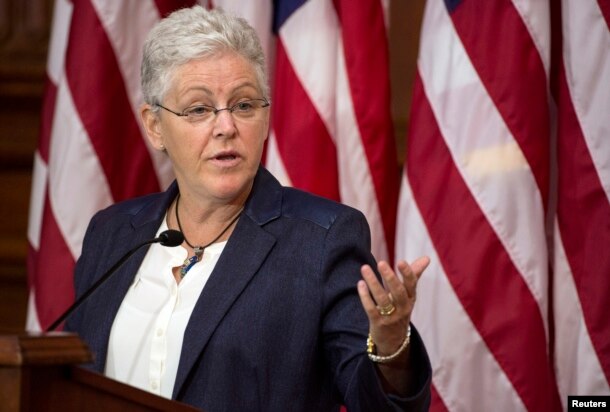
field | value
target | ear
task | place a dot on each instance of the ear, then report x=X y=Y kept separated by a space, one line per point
x=152 y=126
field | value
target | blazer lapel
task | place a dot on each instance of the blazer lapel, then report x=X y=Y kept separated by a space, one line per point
x=241 y=259
x=237 y=265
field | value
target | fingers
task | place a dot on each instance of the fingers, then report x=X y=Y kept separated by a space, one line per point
x=400 y=293
x=380 y=295
x=379 y=304
x=367 y=301
x=394 y=284
x=412 y=273
x=419 y=265
x=381 y=298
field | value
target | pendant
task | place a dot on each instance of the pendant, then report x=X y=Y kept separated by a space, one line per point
x=187 y=265
x=198 y=252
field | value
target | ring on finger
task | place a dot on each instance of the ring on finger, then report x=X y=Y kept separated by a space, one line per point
x=386 y=310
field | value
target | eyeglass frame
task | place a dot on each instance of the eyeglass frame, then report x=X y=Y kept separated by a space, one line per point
x=213 y=109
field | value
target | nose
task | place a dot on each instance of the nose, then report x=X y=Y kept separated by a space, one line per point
x=224 y=124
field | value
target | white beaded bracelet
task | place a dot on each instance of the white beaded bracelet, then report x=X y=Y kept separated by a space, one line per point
x=370 y=349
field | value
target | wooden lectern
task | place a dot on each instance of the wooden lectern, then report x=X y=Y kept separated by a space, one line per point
x=39 y=372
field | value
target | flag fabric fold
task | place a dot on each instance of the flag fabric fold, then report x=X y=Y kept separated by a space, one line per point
x=581 y=88
x=91 y=151
x=504 y=187
x=331 y=124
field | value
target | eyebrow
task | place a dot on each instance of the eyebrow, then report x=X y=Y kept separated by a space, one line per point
x=246 y=85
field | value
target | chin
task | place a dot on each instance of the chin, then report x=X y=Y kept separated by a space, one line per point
x=229 y=191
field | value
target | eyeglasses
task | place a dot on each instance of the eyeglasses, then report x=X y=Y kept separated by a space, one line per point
x=245 y=109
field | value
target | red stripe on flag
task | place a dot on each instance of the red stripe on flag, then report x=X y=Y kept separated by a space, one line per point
x=53 y=271
x=165 y=7
x=370 y=91
x=437 y=404
x=584 y=220
x=510 y=67
x=100 y=98
x=46 y=120
x=489 y=287
x=305 y=145
x=30 y=262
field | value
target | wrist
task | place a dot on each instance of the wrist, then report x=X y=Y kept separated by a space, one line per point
x=378 y=358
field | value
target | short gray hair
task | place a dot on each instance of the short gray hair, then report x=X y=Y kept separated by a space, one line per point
x=193 y=33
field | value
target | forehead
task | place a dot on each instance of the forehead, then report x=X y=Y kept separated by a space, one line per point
x=217 y=74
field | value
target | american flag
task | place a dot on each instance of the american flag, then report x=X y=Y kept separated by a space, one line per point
x=331 y=129
x=507 y=186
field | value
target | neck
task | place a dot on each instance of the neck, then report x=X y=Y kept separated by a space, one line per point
x=204 y=227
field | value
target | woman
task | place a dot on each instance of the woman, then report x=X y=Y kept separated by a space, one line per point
x=261 y=308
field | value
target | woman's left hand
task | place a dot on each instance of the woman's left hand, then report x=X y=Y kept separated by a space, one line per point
x=389 y=308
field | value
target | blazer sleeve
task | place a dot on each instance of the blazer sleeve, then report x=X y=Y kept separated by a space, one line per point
x=345 y=325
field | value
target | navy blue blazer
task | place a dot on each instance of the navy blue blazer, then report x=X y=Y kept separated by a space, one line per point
x=279 y=324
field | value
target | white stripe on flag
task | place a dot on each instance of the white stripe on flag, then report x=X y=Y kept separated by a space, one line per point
x=74 y=169
x=39 y=189
x=32 y=323
x=58 y=42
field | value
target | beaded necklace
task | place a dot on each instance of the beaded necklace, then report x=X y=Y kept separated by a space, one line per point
x=190 y=262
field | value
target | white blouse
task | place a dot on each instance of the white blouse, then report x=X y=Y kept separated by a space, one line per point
x=146 y=337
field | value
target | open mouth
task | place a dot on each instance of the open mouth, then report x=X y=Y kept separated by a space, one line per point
x=225 y=157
